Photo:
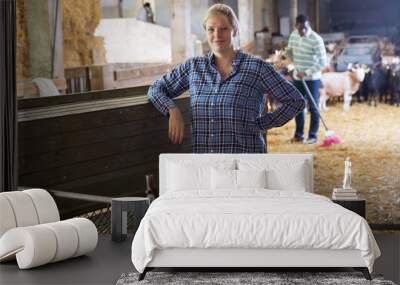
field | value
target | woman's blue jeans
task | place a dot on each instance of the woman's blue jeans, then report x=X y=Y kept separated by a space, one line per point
x=313 y=85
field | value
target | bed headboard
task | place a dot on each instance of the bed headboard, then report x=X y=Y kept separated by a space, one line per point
x=274 y=159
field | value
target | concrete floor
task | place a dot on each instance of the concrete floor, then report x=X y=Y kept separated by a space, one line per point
x=389 y=262
x=110 y=260
x=103 y=266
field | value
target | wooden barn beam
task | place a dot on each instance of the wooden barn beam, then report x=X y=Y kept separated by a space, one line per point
x=246 y=19
x=272 y=22
x=46 y=41
x=182 y=45
x=294 y=11
x=317 y=18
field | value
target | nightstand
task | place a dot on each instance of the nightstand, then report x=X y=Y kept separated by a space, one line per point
x=119 y=215
x=357 y=205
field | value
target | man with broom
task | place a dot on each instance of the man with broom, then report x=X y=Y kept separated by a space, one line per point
x=307 y=51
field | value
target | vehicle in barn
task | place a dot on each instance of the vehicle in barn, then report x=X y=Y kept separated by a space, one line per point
x=364 y=50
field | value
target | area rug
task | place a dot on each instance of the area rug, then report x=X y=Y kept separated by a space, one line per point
x=244 y=278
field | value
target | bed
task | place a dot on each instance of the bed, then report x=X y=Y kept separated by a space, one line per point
x=246 y=211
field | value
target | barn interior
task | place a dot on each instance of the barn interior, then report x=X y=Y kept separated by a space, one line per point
x=84 y=128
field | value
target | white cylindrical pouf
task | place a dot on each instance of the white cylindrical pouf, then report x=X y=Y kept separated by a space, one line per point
x=7 y=218
x=45 y=205
x=24 y=210
x=87 y=234
x=67 y=240
x=34 y=246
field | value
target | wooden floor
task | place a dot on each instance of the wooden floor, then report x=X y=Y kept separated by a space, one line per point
x=111 y=259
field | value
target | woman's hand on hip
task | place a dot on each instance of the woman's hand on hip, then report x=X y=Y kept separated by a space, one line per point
x=176 y=128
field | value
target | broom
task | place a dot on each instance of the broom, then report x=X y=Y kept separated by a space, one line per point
x=330 y=136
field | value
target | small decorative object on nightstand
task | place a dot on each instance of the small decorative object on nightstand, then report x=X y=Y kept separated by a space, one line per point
x=357 y=205
x=347 y=174
x=347 y=196
x=346 y=192
x=119 y=215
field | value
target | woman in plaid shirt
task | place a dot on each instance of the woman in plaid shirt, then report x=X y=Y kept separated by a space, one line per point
x=227 y=93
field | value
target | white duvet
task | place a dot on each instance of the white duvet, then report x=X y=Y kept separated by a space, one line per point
x=253 y=218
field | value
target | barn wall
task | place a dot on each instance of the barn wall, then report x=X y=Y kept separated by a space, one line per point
x=162 y=12
x=365 y=16
x=324 y=16
x=131 y=40
x=105 y=149
x=284 y=7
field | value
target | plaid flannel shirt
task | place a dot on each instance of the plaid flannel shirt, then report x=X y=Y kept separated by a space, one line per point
x=228 y=115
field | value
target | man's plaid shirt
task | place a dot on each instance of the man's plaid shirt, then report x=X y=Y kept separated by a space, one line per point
x=227 y=115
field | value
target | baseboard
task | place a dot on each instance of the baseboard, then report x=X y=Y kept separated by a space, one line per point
x=387 y=227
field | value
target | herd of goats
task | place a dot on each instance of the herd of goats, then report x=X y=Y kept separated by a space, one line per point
x=379 y=82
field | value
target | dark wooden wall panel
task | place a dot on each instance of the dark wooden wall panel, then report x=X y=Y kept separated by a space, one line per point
x=92 y=135
x=83 y=122
x=72 y=171
x=105 y=152
x=59 y=157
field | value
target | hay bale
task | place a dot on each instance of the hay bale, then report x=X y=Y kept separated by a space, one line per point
x=22 y=61
x=80 y=19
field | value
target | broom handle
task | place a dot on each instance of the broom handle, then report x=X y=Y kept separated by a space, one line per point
x=314 y=103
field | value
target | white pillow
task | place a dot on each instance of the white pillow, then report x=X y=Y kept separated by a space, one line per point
x=293 y=180
x=223 y=179
x=281 y=174
x=182 y=177
x=226 y=179
x=251 y=178
x=189 y=175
